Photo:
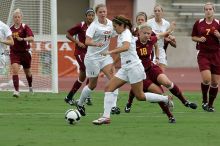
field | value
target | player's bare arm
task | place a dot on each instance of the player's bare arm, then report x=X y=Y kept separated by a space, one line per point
x=198 y=39
x=80 y=44
x=9 y=41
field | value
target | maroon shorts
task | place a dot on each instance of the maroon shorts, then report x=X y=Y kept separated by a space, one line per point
x=152 y=73
x=209 y=61
x=80 y=60
x=22 y=58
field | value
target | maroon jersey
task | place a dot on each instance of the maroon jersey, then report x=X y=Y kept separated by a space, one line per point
x=201 y=28
x=23 y=31
x=80 y=31
x=144 y=51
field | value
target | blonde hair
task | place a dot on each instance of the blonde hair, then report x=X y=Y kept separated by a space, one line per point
x=17 y=11
x=145 y=25
x=99 y=6
x=158 y=5
x=209 y=3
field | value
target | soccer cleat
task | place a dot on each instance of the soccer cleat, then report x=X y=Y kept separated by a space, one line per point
x=102 y=120
x=191 y=105
x=31 y=90
x=81 y=109
x=210 y=109
x=89 y=101
x=115 y=110
x=172 y=120
x=69 y=101
x=127 y=108
x=16 y=94
x=204 y=106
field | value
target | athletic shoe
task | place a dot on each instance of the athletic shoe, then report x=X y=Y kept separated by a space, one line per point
x=191 y=105
x=31 y=90
x=81 y=109
x=102 y=120
x=16 y=94
x=127 y=108
x=89 y=101
x=210 y=109
x=172 y=120
x=115 y=110
x=69 y=101
x=204 y=106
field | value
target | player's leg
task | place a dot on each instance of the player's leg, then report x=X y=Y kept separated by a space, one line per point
x=213 y=91
x=77 y=84
x=109 y=100
x=15 y=67
x=174 y=89
x=26 y=63
x=109 y=70
x=166 y=108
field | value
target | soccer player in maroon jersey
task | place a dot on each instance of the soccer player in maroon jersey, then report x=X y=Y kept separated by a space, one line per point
x=155 y=76
x=19 y=52
x=80 y=51
x=206 y=34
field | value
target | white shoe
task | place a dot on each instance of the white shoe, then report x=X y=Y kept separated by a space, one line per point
x=31 y=90
x=16 y=94
x=102 y=120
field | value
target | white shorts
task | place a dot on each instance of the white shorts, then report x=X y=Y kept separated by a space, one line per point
x=162 y=57
x=132 y=75
x=2 y=61
x=93 y=67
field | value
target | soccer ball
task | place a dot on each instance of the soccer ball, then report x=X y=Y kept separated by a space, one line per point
x=72 y=116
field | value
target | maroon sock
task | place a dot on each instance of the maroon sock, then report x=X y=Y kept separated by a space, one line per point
x=176 y=91
x=16 y=82
x=29 y=79
x=165 y=109
x=213 y=91
x=131 y=97
x=204 y=89
x=74 y=89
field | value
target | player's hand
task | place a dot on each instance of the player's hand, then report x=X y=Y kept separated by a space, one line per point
x=19 y=39
x=81 y=45
x=106 y=53
x=202 y=39
x=99 y=44
x=217 y=34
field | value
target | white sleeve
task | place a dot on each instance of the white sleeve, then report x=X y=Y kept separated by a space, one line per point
x=91 y=30
x=7 y=31
x=126 y=36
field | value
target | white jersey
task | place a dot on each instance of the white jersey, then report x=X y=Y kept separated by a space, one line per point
x=100 y=33
x=128 y=58
x=159 y=29
x=4 y=33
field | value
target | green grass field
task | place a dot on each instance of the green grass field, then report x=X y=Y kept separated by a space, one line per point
x=38 y=120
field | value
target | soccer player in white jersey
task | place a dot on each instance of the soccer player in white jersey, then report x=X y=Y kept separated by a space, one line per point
x=5 y=39
x=98 y=37
x=159 y=25
x=131 y=71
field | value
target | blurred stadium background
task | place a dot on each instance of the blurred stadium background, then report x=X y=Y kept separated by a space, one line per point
x=182 y=67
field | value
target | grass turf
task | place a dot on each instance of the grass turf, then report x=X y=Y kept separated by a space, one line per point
x=38 y=120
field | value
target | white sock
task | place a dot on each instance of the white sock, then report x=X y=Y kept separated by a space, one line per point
x=116 y=97
x=84 y=94
x=108 y=103
x=152 y=97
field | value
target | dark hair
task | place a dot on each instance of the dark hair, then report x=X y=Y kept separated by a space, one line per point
x=99 y=6
x=89 y=10
x=141 y=14
x=122 y=20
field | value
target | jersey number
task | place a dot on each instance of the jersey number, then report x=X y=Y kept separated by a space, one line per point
x=143 y=51
x=208 y=30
